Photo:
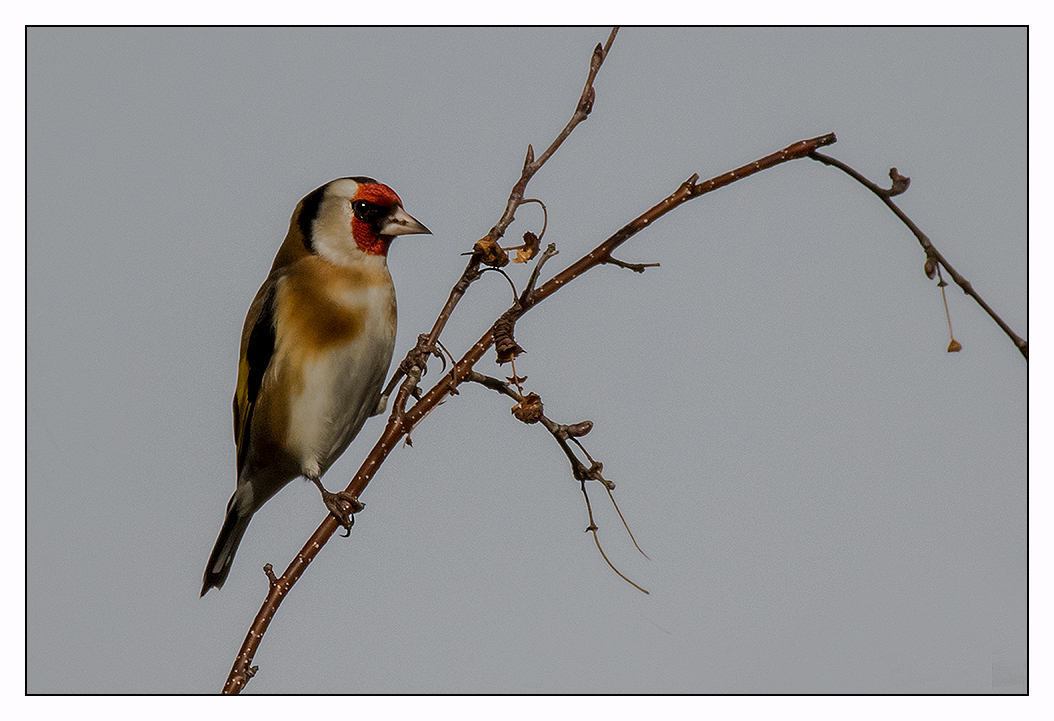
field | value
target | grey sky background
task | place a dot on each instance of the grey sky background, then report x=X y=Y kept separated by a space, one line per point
x=830 y=501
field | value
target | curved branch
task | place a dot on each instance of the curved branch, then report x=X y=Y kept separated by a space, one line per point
x=900 y=184
x=530 y=165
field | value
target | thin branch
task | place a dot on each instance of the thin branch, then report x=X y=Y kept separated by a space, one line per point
x=558 y=431
x=688 y=190
x=635 y=267
x=578 y=469
x=596 y=539
x=530 y=165
x=516 y=199
x=626 y=525
x=900 y=184
x=549 y=252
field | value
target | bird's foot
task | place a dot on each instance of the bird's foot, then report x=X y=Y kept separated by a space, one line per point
x=342 y=505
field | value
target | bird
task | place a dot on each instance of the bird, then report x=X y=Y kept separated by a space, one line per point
x=315 y=350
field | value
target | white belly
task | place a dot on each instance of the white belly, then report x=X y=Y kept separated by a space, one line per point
x=341 y=389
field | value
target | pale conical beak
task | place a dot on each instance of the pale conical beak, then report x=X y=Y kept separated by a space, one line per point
x=402 y=223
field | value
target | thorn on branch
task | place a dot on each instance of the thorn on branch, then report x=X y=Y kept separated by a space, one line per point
x=453 y=368
x=530 y=156
x=441 y=353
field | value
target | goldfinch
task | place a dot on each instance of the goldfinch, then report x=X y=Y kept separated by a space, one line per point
x=315 y=351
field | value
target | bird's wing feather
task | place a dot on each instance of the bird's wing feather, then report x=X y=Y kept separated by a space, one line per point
x=258 y=344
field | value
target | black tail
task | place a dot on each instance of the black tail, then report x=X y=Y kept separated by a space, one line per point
x=234 y=526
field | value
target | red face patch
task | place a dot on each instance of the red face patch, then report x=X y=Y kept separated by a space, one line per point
x=378 y=193
x=365 y=224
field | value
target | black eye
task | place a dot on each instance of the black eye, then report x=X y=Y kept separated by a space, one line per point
x=365 y=210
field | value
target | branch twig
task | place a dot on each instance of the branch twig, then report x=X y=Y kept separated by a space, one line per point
x=900 y=184
x=563 y=433
x=516 y=199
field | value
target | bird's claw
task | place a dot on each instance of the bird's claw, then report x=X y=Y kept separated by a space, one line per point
x=343 y=506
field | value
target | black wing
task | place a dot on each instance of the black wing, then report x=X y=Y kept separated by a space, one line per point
x=256 y=356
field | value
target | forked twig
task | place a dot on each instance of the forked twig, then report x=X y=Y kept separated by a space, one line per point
x=580 y=471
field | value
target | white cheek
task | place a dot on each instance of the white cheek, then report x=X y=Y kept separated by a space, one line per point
x=338 y=247
x=331 y=234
